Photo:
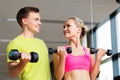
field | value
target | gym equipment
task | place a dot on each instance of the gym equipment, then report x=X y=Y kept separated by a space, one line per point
x=14 y=55
x=118 y=1
x=93 y=50
x=51 y=50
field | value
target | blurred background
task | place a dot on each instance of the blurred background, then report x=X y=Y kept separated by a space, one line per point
x=101 y=16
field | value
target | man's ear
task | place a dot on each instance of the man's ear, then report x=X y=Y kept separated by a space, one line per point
x=24 y=21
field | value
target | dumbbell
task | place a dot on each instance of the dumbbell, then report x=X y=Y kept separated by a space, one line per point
x=93 y=50
x=14 y=55
x=51 y=50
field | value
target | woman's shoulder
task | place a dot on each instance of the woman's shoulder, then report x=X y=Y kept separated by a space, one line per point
x=87 y=49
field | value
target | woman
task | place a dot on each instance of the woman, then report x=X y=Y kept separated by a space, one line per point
x=80 y=64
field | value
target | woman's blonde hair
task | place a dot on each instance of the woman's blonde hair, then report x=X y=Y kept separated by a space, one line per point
x=80 y=24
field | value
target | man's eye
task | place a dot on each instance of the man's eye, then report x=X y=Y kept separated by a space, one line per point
x=36 y=19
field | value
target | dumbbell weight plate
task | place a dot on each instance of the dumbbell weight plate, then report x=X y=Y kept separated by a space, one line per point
x=14 y=54
x=34 y=57
x=109 y=52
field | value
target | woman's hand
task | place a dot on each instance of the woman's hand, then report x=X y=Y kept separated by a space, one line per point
x=100 y=53
x=61 y=51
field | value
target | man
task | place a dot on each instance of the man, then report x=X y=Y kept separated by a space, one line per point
x=29 y=20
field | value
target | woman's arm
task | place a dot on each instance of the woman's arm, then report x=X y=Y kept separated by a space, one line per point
x=59 y=66
x=96 y=64
x=95 y=69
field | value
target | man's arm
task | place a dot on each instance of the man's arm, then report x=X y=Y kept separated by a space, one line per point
x=15 y=68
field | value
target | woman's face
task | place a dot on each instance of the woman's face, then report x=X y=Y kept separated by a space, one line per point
x=70 y=29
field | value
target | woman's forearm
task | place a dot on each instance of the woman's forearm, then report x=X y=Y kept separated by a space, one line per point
x=95 y=70
x=60 y=71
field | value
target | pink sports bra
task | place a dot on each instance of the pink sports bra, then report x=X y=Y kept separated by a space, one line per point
x=78 y=62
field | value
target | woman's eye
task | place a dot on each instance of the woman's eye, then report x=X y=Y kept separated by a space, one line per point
x=63 y=27
x=68 y=25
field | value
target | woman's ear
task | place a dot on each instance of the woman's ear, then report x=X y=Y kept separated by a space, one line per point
x=79 y=30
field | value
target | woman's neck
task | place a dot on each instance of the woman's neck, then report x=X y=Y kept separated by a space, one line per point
x=75 y=43
x=76 y=46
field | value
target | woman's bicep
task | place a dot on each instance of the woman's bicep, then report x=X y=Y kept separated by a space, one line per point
x=92 y=60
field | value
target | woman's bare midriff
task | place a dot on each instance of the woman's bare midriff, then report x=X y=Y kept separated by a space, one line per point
x=77 y=75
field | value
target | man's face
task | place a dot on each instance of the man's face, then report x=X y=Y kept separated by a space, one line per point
x=33 y=22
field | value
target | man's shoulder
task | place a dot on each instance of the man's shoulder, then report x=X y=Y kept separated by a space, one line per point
x=12 y=41
x=40 y=40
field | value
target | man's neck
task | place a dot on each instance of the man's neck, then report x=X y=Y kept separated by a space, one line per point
x=27 y=34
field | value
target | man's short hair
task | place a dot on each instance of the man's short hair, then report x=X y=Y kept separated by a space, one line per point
x=24 y=12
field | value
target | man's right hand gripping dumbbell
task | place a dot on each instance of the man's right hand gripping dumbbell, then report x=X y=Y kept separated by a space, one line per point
x=14 y=55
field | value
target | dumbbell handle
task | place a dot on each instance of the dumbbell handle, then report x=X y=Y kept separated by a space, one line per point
x=108 y=52
x=51 y=50
x=14 y=55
